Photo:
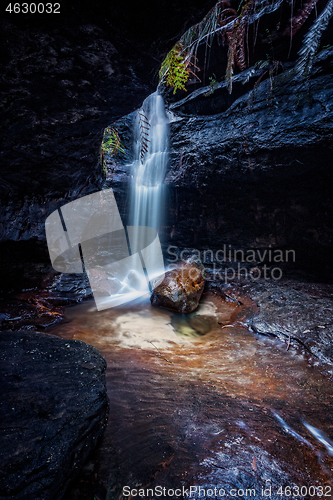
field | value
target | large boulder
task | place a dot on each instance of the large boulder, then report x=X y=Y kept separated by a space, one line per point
x=53 y=410
x=181 y=288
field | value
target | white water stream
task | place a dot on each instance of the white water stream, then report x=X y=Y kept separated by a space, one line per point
x=129 y=276
x=147 y=194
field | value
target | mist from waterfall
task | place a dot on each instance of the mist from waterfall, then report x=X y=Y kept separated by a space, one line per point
x=147 y=202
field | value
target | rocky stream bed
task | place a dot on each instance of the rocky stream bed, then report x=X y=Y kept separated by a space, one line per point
x=237 y=395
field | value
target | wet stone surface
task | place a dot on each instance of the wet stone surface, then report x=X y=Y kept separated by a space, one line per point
x=300 y=314
x=41 y=301
x=53 y=410
x=181 y=288
x=228 y=408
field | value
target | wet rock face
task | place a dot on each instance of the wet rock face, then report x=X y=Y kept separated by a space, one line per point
x=298 y=313
x=297 y=318
x=32 y=294
x=181 y=288
x=53 y=410
x=64 y=78
x=256 y=174
x=61 y=85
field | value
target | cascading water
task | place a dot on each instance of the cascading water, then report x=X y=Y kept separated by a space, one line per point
x=151 y=142
x=143 y=267
x=130 y=263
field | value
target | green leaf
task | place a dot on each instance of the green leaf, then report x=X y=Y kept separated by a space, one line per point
x=174 y=69
x=111 y=142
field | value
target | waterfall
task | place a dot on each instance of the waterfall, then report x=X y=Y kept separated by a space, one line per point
x=138 y=271
x=122 y=264
x=131 y=263
x=151 y=142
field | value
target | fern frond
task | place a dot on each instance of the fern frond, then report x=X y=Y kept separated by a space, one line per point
x=111 y=142
x=311 y=41
x=236 y=42
x=300 y=17
x=175 y=68
x=240 y=52
x=144 y=126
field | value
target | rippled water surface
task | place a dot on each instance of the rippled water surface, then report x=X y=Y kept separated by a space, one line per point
x=198 y=400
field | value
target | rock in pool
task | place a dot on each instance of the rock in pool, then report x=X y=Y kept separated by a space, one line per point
x=181 y=288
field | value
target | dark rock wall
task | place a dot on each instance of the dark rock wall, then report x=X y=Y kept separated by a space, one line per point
x=253 y=169
x=53 y=411
x=63 y=78
x=260 y=173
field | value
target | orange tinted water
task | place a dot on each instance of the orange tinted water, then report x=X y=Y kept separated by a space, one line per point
x=225 y=408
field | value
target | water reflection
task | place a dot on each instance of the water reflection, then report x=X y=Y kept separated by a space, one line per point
x=203 y=401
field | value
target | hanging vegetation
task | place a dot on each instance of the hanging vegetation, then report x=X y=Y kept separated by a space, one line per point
x=312 y=41
x=299 y=19
x=233 y=27
x=111 y=145
x=235 y=35
x=111 y=142
x=221 y=19
x=176 y=68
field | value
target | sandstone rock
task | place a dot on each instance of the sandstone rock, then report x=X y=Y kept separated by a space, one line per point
x=229 y=168
x=296 y=314
x=53 y=410
x=181 y=288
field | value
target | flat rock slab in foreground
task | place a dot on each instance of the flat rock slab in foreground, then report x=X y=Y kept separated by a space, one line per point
x=298 y=313
x=53 y=409
x=181 y=288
